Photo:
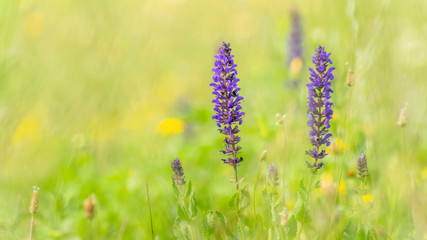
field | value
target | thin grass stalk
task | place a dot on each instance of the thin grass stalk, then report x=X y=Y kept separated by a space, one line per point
x=308 y=202
x=149 y=208
x=31 y=227
x=284 y=165
x=241 y=226
x=256 y=183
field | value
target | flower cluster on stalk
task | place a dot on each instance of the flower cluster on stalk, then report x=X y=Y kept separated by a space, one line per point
x=178 y=172
x=362 y=169
x=227 y=103
x=319 y=106
x=295 y=39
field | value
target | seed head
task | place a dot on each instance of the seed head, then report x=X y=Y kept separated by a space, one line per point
x=402 y=117
x=34 y=200
x=350 y=78
x=263 y=156
x=89 y=207
x=280 y=118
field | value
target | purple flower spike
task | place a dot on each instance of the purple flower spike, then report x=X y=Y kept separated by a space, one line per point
x=319 y=105
x=227 y=103
x=295 y=40
x=178 y=172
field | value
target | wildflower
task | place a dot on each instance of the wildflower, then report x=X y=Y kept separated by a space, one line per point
x=290 y=205
x=351 y=173
x=402 y=116
x=367 y=198
x=171 y=126
x=350 y=78
x=273 y=177
x=178 y=172
x=362 y=170
x=296 y=66
x=279 y=119
x=34 y=205
x=424 y=173
x=283 y=217
x=227 y=103
x=326 y=183
x=295 y=59
x=319 y=106
x=89 y=207
x=342 y=189
x=336 y=147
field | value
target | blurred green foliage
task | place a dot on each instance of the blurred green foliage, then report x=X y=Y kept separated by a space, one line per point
x=84 y=86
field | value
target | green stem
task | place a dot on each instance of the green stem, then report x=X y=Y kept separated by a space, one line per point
x=31 y=227
x=236 y=178
x=308 y=202
x=241 y=226
x=149 y=208
x=191 y=231
x=256 y=183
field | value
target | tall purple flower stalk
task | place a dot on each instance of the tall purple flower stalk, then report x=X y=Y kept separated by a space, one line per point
x=227 y=104
x=295 y=40
x=319 y=106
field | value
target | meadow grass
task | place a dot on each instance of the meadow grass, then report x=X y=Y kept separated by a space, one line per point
x=97 y=97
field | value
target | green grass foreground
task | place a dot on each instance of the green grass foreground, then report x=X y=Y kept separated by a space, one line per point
x=98 y=97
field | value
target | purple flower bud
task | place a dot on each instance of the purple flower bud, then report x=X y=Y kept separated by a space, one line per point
x=319 y=105
x=362 y=169
x=178 y=172
x=273 y=176
x=227 y=103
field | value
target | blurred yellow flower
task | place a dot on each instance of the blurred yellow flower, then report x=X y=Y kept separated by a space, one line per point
x=367 y=198
x=342 y=190
x=326 y=184
x=290 y=204
x=34 y=24
x=336 y=147
x=28 y=128
x=424 y=173
x=171 y=126
x=296 y=66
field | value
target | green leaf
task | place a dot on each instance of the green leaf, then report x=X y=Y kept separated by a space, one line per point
x=292 y=228
x=350 y=232
x=244 y=199
x=208 y=225
x=278 y=200
x=182 y=213
x=301 y=212
x=302 y=191
x=221 y=218
x=234 y=201
x=188 y=190
x=361 y=234
x=193 y=205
